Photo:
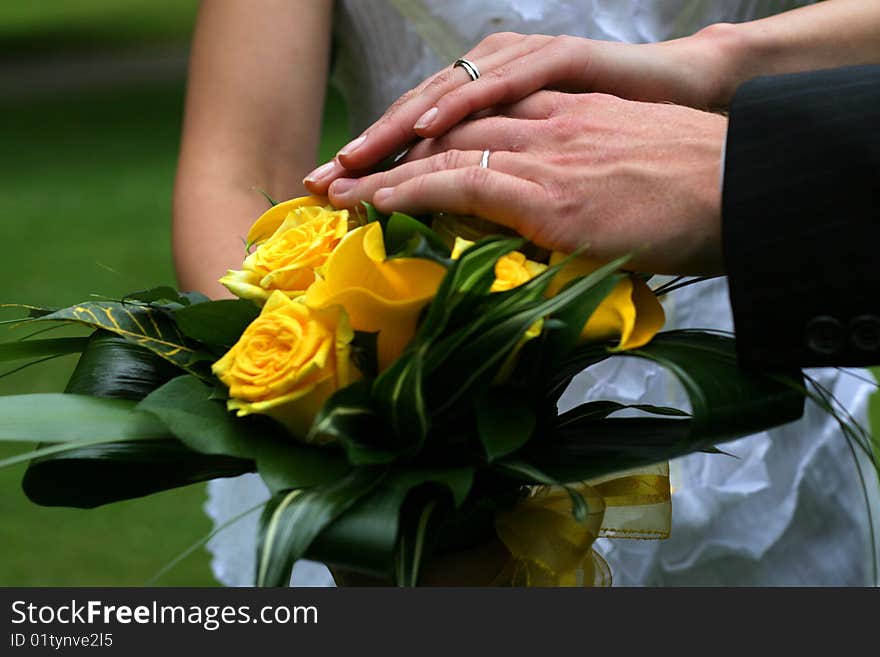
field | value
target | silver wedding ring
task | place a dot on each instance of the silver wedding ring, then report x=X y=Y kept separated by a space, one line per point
x=472 y=70
x=484 y=161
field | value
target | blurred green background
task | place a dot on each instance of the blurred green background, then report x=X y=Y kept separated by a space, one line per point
x=86 y=173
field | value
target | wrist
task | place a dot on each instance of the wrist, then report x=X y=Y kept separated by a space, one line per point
x=726 y=50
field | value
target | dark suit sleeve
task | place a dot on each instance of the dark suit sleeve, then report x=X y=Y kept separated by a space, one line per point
x=801 y=218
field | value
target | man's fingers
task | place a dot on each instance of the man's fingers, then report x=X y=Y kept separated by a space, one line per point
x=487 y=193
x=349 y=192
x=497 y=133
x=538 y=106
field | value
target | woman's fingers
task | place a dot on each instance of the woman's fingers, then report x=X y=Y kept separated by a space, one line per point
x=547 y=67
x=395 y=128
x=485 y=192
x=327 y=173
x=349 y=192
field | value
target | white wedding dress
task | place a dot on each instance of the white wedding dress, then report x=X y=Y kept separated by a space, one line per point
x=788 y=508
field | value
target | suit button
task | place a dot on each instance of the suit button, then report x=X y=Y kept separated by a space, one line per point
x=864 y=332
x=824 y=335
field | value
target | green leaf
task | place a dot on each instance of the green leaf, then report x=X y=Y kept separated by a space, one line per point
x=398 y=392
x=457 y=481
x=113 y=367
x=216 y=323
x=22 y=349
x=505 y=420
x=727 y=402
x=86 y=477
x=528 y=473
x=59 y=417
x=413 y=543
x=581 y=451
x=418 y=247
x=373 y=524
x=478 y=360
x=581 y=358
x=33 y=312
x=46 y=451
x=265 y=195
x=400 y=231
x=86 y=474
x=563 y=335
x=286 y=465
x=184 y=405
x=466 y=281
x=292 y=520
x=143 y=325
x=165 y=296
x=598 y=410
x=373 y=214
x=486 y=311
x=350 y=417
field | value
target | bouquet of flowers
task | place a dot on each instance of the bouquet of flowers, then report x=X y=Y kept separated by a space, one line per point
x=394 y=380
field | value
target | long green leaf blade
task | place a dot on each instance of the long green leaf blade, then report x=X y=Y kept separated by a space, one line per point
x=399 y=394
x=292 y=520
x=185 y=405
x=89 y=476
x=22 y=349
x=59 y=417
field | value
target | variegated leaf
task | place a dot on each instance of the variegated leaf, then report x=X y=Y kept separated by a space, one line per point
x=141 y=324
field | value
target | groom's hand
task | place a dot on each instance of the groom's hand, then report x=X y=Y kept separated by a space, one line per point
x=570 y=171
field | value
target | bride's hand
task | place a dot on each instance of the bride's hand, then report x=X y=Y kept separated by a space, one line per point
x=569 y=171
x=696 y=71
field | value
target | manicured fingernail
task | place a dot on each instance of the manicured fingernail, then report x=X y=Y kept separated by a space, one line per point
x=383 y=195
x=352 y=146
x=342 y=186
x=321 y=172
x=426 y=119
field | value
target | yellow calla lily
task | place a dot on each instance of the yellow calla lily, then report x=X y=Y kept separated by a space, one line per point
x=631 y=312
x=379 y=295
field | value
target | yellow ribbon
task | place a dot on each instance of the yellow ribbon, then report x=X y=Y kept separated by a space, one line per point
x=549 y=547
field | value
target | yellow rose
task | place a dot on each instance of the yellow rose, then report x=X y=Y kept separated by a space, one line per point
x=511 y=270
x=288 y=362
x=379 y=295
x=631 y=312
x=292 y=240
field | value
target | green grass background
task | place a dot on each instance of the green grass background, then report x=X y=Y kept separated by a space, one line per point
x=85 y=197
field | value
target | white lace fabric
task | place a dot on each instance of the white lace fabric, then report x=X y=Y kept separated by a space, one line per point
x=788 y=508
